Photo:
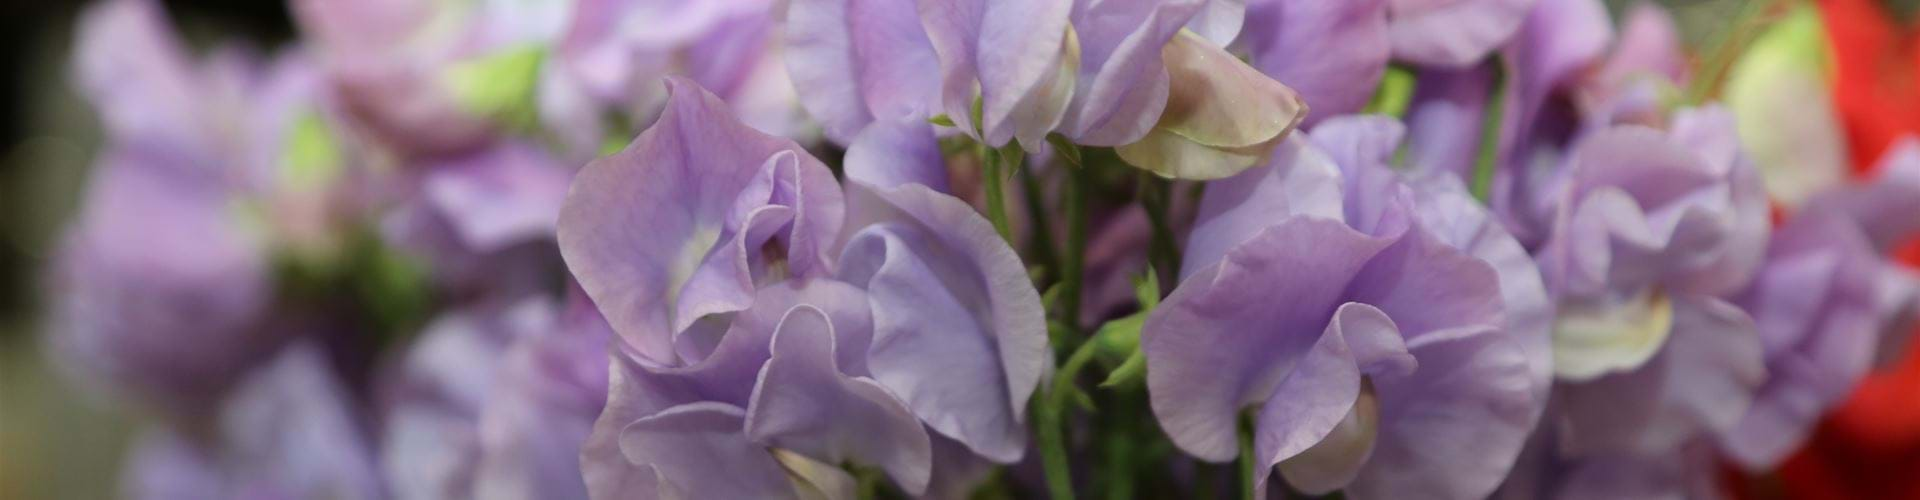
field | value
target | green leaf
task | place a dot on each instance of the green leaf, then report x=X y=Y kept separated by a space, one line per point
x=1130 y=373
x=1065 y=148
x=942 y=120
x=1146 y=289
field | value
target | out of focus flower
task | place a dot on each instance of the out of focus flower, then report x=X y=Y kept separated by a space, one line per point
x=163 y=282
x=1654 y=230
x=1823 y=302
x=1375 y=354
x=747 y=354
x=484 y=219
x=495 y=403
x=290 y=431
x=431 y=77
x=612 y=53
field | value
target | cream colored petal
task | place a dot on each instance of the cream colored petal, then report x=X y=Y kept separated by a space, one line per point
x=1222 y=116
x=1333 y=462
x=1592 y=341
x=1172 y=156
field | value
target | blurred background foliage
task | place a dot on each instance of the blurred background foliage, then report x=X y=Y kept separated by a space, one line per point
x=54 y=441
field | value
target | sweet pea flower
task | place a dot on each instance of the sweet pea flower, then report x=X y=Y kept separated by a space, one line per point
x=163 y=280
x=1655 y=232
x=772 y=325
x=251 y=453
x=495 y=401
x=1824 y=301
x=1106 y=74
x=1644 y=217
x=1378 y=351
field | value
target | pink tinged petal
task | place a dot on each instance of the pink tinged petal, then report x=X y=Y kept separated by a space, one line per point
x=855 y=61
x=951 y=301
x=804 y=403
x=637 y=224
x=1219 y=344
x=1315 y=425
x=1453 y=427
x=1332 y=53
x=891 y=154
x=1220 y=118
x=1453 y=33
x=1702 y=382
x=697 y=450
x=1300 y=180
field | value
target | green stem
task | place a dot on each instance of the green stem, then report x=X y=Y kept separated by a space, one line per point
x=1490 y=124
x=996 y=193
x=1247 y=459
x=1073 y=269
x=1042 y=234
x=1155 y=195
x=1050 y=418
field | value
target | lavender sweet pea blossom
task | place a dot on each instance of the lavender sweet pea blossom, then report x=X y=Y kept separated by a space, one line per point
x=163 y=281
x=1655 y=232
x=1380 y=352
x=495 y=402
x=248 y=451
x=1119 y=74
x=1823 y=302
x=771 y=325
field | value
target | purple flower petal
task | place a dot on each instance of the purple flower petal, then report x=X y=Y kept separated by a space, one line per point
x=804 y=403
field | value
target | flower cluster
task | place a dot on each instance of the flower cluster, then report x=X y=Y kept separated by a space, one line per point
x=962 y=249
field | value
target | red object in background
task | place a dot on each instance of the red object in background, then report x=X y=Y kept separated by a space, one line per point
x=1877 y=77
x=1870 y=446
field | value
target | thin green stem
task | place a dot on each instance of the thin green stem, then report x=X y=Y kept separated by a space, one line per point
x=1247 y=459
x=1050 y=418
x=1155 y=195
x=1073 y=267
x=996 y=193
x=1490 y=126
x=1042 y=233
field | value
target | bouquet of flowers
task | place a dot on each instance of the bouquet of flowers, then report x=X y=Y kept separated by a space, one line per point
x=866 y=249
